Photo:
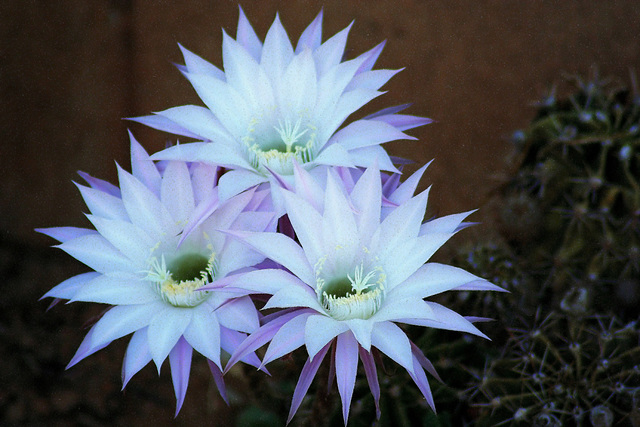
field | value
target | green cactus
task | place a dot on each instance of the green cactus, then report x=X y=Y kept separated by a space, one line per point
x=571 y=208
x=567 y=369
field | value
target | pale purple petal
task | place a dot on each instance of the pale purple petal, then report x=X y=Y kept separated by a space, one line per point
x=479 y=285
x=130 y=240
x=176 y=192
x=281 y=249
x=311 y=37
x=445 y=224
x=165 y=125
x=407 y=189
x=346 y=369
x=404 y=121
x=246 y=36
x=62 y=234
x=361 y=329
x=307 y=222
x=86 y=348
x=370 y=57
x=294 y=297
x=363 y=197
x=424 y=362
x=100 y=184
x=206 y=152
x=230 y=340
x=394 y=308
x=374 y=79
x=236 y=181
x=372 y=377
x=432 y=279
x=306 y=376
x=421 y=381
x=219 y=380
x=180 y=360
x=198 y=120
x=143 y=168
x=367 y=156
x=334 y=155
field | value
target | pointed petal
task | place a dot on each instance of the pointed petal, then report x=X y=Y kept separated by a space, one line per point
x=176 y=192
x=136 y=357
x=122 y=320
x=239 y=315
x=206 y=152
x=165 y=328
x=361 y=329
x=199 y=120
x=392 y=341
x=276 y=51
x=363 y=133
x=306 y=376
x=68 y=288
x=246 y=36
x=203 y=334
x=103 y=204
x=306 y=220
x=280 y=249
x=165 y=125
x=404 y=121
x=365 y=196
x=287 y=339
x=432 y=279
x=334 y=155
x=236 y=181
x=100 y=185
x=372 y=377
x=339 y=229
x=195 y=64
x=445 y=224
x=294 y=297
x=446 y=319
x=424 y=362
x=62 y=234
x=311 y=36
x=330 y=53
x=116 y=291
x=180 y=360
x=347 y=354
x=371 y=79
x=87 y=348
x=143 y=207
x=365 y=157
x=128 y=239
x=370 y=57
x=94 y=251
x=143 y=168
x=320 y=330
x=421 y=381
x=296 y=90
x=395 y=308
x=219 y=380
x=407 y=189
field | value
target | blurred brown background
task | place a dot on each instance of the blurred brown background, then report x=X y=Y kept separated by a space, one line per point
x=70 y=70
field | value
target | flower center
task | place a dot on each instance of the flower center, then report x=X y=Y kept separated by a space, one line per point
x=275 y=147
x=178 y=281
x=356 y=296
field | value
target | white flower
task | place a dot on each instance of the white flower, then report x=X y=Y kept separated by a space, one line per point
x=156 y=241
x=275 y=104
x=354 y=274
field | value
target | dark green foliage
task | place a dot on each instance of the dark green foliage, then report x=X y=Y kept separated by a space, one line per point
x=571 y=208
x=564 y=370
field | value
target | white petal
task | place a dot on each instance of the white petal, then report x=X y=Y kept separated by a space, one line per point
x=361 y=329
x=116 y=291
x=445 y=224
x=288 y=338
x=224 y=101
x=330 y=53
x=268 y=281
x=339 y=228
x=297 y=89
x=294 y=297
x=176 y=192
x=206 y=152
x=367 y=156
x=402 y=308
x=195 y=64
x=319 y=330
x=143 y=207
x=236 y=181
x=198 y=120
x=165 y=328
x=94 y=251
x=446 y=319
x=239 y=315
x=371 y=79
x=392 y=341
x=282 y=250
x=103 y=204
x=143 y=168
x=122 y=320
x=365 y=196
x=277 y=50
x=307 y=222
x=130 y=240
x=433 y=278
x=334 y=155
x=203 y=333
x=68 y=288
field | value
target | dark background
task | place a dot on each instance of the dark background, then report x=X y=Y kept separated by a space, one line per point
x=71 y=70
